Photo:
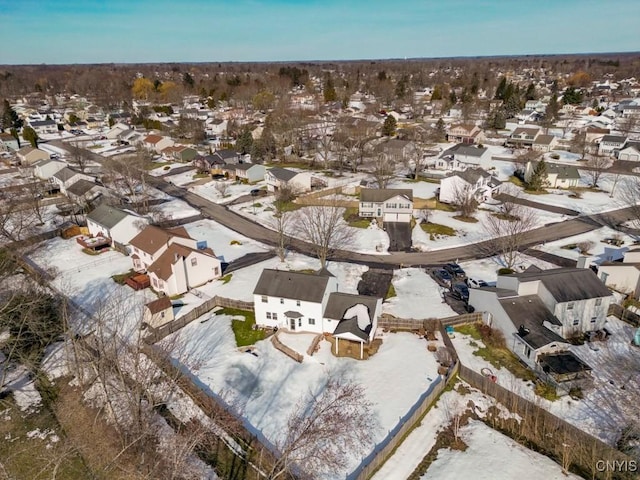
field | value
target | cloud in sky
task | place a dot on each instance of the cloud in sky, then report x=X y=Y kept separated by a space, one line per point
x=91 y=31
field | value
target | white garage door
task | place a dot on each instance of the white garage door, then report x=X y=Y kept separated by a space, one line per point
x=397 y=217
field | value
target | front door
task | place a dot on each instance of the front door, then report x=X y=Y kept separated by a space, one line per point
x=292 y=323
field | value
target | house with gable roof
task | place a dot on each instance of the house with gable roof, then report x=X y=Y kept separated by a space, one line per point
x=538 y=311
x=465 y=133
x=174 y=261
x=630 y=152
x=558 y=175
x=115 y=224
x=29 y=155
x=278 y=178
x=463 y=156
x=310 y=302
x=156 y=143
x=472 y=182
x=389 y=204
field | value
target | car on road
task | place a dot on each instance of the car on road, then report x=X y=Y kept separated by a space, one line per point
x=442 y=277
x=476 y=283
x=455 y=270
x=461 y=291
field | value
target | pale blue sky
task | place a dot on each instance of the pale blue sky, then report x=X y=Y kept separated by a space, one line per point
x=98 y=31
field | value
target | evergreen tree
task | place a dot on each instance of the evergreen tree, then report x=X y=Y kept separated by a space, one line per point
x=531 y=92
x=244 y=142
x=538 y=179
x=437 y=93
x=501 y=89
x=571 y=96
x=14 y=134
x=440 y=132
x=30 y=135
x=389 y=126
x=9 y=118
x=497 y=119
x=329 y=90
x=553 y=109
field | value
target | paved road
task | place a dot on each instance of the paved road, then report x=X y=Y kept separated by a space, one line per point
x=248 y=228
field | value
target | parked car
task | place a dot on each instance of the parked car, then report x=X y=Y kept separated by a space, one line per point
x=475 y=283
x=218 y=176
x=442 y=277
x=461 y=291
x=255 y=192
x=455 y=270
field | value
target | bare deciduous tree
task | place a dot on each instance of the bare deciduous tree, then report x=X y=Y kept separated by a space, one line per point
x=464 y=199
x=325 y=229
x=321 y=428
x=78 y=156
x=222 y=188
x=508 y=231
x=596 y=165
x=383 y=169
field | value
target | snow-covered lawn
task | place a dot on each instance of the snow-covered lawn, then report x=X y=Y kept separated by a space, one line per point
x=606 y=407
x=420 y=189
x=299 y=342
x=164 y=168
x=417 y=296
x=466 y=232
x=175 y=209
x=86 y=279
x=227 y=244
x=487 y=268
x=264 y=389
x=598 y=251
x=211 y=190
x=492 y=456
x=183 y=178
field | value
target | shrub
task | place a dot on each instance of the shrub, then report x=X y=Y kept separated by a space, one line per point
x=235 y=242
x=546 y=391
x=585 y=246
x=505 y=271
x=491 y=336
x=555 y=156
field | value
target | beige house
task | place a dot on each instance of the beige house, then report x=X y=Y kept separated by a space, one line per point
x=158 y=312
x=623 y=276
x=544 y=143
x=29 y=155
x=465 y=133
x=157 y=143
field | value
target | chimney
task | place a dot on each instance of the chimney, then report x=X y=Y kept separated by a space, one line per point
x=584 y=261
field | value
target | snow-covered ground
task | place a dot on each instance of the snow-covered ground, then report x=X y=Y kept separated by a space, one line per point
x=492 y=456
x=420 y=189
x=466 y=232
x=164 y=169
x=598 y=252
x=183 y=178
x=417 y=296
x=265 y=388
x=86 y=279
x=211 y=190
x=227 y=244
x=487 y=268
x=175 y=209
x=606 y=408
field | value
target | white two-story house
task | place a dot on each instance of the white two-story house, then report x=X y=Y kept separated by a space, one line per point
x=115 y=224
x=174 y=261
x=310 y=302
x=279 y=178
x=609 y=143
x=473 y=182
x=389 y=204
x=463 y=156
x=539 y=310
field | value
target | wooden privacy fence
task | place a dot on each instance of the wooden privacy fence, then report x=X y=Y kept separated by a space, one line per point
x=157 y=334
x=553 y=436
x=289 y=352
x=394 y=323
x=624 y=314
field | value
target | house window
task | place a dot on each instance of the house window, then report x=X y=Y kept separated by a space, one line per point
x=570 y=305
x=297 y=303
x=155 y=283
x=274 y=315
x=161 y=314
x=216 y=271
x=312 y=321
x=598 y=302
x=194 y=262
x=527 y=351
x=282 y=301
x=264 y=299
x=268 y=315
x=300 y=322
x=576 y=321
x=594 y=319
